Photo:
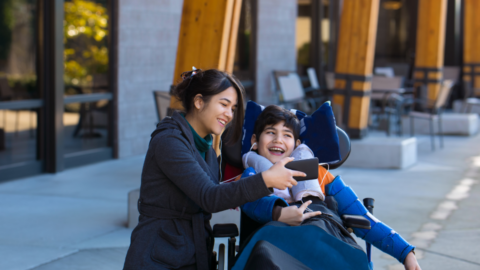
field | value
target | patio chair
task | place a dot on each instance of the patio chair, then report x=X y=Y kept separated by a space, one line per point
x=290 y=91
x=330 y=80
x=9 y=94
x=162 y=101
x=389 y=98
x=433 y=110
x=384 y=71
x=469 y=99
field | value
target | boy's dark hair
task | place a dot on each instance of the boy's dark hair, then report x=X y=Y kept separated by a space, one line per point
x=209 y=83
x=272 y=115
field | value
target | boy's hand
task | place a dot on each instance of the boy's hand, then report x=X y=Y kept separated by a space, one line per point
x=294 y=216
x=411 y=263
x=280 y=177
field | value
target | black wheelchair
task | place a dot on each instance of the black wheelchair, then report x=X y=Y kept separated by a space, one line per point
x=248 y=227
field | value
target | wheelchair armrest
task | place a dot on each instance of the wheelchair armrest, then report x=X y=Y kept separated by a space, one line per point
x=225 y=230
x=356 y=221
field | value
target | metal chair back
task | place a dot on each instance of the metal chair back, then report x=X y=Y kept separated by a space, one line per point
x=162 y=101
x=385 y=71
x=312 y=77
x=330 y=80
x=443 y=95
x=290 y=87
x=387 y=83
x=451 y=73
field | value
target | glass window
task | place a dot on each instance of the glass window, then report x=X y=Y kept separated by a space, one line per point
x=86 y=122
x=394 y=32
x=17 y=136
x=18 y=81
x=85 y=126
x=303 y=36
x=243 y=65
x=86 y=47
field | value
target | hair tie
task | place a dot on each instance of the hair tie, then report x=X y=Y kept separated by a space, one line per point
x=189 y=74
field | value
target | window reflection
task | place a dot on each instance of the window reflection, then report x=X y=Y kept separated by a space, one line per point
x=86 y=72
x=85 y=126
x=86 y=47
x=242 y=66
x=303 y=36
x=17 y=136
x=18 y=78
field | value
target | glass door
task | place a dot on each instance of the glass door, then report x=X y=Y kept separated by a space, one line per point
x=20 y=98
x=87 y=112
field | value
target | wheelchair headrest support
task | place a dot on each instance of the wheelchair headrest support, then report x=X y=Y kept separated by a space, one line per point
x=317 y=131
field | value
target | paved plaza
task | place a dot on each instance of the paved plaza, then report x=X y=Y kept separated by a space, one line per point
x=77 y=219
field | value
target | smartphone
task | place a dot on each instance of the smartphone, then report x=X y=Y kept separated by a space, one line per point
x=308 y=166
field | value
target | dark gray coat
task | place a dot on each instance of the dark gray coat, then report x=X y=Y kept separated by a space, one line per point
x=179 y=190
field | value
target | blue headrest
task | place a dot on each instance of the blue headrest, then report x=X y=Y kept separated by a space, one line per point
x=317 y=131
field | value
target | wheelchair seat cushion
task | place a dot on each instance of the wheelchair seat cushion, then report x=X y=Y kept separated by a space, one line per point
x=309 y=244
x=318 y=131
x=267 y=256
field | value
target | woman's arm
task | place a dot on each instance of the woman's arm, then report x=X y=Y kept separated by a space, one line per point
x=177 y=162
x=261 y=210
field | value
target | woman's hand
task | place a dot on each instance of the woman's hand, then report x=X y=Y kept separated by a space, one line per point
x=294 y=216
x=411 y=263
x=280 y=177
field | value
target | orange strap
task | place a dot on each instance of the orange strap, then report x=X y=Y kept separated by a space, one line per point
x=327 y=180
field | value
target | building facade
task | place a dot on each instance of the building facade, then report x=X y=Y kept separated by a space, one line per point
x=77 y=76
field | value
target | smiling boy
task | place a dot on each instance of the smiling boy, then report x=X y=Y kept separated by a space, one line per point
x=276 y=136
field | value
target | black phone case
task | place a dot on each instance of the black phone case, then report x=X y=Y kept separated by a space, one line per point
x=308 y=166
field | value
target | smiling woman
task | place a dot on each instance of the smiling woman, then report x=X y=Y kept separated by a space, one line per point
x=180 y=179
x=220 y=92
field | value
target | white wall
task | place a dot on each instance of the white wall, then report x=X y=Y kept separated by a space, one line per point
x=276 y=23
x=147 y=45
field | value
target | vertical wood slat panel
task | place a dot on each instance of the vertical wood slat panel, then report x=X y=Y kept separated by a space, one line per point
x=355 y=38
x=227 y=27
x=354 y=64
x=422 y=24
x=344 y=39
x=237 y=8
x=207 y=39
x=430 y=45
x=471 y=54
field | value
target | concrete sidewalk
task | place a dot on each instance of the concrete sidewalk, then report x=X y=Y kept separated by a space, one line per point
x=77 y=219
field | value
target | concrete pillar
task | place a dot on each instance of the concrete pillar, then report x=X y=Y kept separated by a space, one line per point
x=275 y=44
x=147 y=45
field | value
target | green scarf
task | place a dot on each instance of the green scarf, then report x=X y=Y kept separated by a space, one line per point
x=202 y=144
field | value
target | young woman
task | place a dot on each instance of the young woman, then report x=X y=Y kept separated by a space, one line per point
x=180 y=179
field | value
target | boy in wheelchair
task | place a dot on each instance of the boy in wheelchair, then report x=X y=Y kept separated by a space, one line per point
x=319 y=202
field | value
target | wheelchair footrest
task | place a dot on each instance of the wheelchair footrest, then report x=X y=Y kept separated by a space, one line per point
x=225 y=230
x=356 y=221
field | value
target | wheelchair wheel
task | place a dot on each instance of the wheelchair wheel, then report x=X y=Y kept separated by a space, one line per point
x=221 y=257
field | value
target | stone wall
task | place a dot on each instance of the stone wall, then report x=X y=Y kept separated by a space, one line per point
x=147 y=45
x=275 y=44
